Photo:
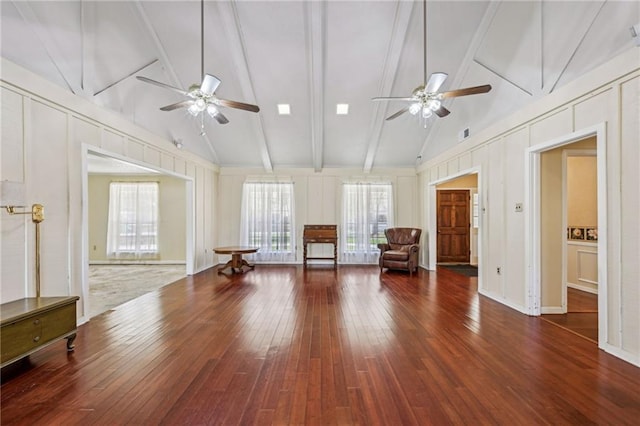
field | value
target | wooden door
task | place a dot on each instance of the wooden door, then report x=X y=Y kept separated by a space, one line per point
x=453 y=226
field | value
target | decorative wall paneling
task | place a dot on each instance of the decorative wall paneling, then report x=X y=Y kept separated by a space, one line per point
x=45 y=133
x=582 y=266
x=609 y=94
x=629 y=248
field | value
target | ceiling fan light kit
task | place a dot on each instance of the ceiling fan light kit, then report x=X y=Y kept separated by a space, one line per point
x=425 y=101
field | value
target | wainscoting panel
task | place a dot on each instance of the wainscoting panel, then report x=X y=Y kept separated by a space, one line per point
x=582 y=266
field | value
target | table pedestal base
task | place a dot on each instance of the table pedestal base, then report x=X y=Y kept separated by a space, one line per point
x=236 y=262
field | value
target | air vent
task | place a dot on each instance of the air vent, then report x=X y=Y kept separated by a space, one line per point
x=464 y=133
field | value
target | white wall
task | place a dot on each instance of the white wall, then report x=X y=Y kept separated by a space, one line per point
x=45 y=132
x=318 y=198
x=609 y=94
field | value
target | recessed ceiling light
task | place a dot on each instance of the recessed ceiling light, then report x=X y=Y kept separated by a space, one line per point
x=284 y=109
x=342 y=109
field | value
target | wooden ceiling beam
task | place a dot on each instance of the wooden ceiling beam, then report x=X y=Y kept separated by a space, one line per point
x=234 y=38
x=461 y=73
x=390 y=69
x=55 y=55
x=316 y=17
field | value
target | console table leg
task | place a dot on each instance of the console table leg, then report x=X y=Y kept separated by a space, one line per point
x=70 y=340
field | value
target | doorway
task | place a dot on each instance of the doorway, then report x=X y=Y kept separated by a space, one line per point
x=469 y=182
x=576 y=163
x=561 y=258
x=161 y=254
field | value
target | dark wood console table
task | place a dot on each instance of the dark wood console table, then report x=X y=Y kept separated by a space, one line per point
x=320 y=234
x=29 y=324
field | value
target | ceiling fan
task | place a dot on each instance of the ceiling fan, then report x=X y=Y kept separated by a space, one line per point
x=425 y=99
x=202 y=97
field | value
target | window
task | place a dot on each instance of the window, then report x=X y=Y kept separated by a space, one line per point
x=132 y=231
x=268 y=220
x=367 y=212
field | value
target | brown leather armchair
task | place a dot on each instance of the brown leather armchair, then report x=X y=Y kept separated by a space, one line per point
x=401 y=250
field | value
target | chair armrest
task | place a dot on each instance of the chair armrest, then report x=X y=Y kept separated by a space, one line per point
x=383 y=247
x=414 y=248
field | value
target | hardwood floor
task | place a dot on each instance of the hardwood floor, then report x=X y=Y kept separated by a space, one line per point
x=581 y=301
x=582 y=314
x=283 y=345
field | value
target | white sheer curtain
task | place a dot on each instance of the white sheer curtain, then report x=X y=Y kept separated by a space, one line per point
x=367 y=210
x=268 y=220
x=132 y=231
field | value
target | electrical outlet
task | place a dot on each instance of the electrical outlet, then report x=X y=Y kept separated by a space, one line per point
x=499 y=270
x=518 y=207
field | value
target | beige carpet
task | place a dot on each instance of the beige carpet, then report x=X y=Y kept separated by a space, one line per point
x=113 y=285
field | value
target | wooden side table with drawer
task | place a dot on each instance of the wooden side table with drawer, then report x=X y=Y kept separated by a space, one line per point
x=29 y=324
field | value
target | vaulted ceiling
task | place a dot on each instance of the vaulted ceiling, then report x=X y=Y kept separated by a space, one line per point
x=314 y=55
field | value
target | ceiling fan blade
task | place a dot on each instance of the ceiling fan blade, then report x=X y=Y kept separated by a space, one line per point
x=220 y=118
x=164 y=86
x=209 y=84
x=466 y=91
x=442 y=112
x=238 y=105
x=177 y=105
x=398 y=114
x=435 y=81
x=391 y=99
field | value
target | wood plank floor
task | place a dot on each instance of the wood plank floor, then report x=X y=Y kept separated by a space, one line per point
x=284 y=345
x=582 y=314
x=581 y=301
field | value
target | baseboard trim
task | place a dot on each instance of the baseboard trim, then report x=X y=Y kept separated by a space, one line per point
x=582 y=288
x=552 y=310
x=621 y=353
x=503 y=301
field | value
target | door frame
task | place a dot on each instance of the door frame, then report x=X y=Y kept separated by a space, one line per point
x=433 y=224
x=533 y=221
x=189 y=218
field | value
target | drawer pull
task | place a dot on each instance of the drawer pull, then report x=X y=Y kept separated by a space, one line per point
x=36 y=339
x=36 y=322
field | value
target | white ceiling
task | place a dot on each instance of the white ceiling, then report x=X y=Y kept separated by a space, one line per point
x=314 y=55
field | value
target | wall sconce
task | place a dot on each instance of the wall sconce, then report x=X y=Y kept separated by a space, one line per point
x=37 y=216
x=178 y=143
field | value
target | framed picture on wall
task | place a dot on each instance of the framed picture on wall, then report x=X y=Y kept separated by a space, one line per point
x=576 y=233
x=591 y=234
